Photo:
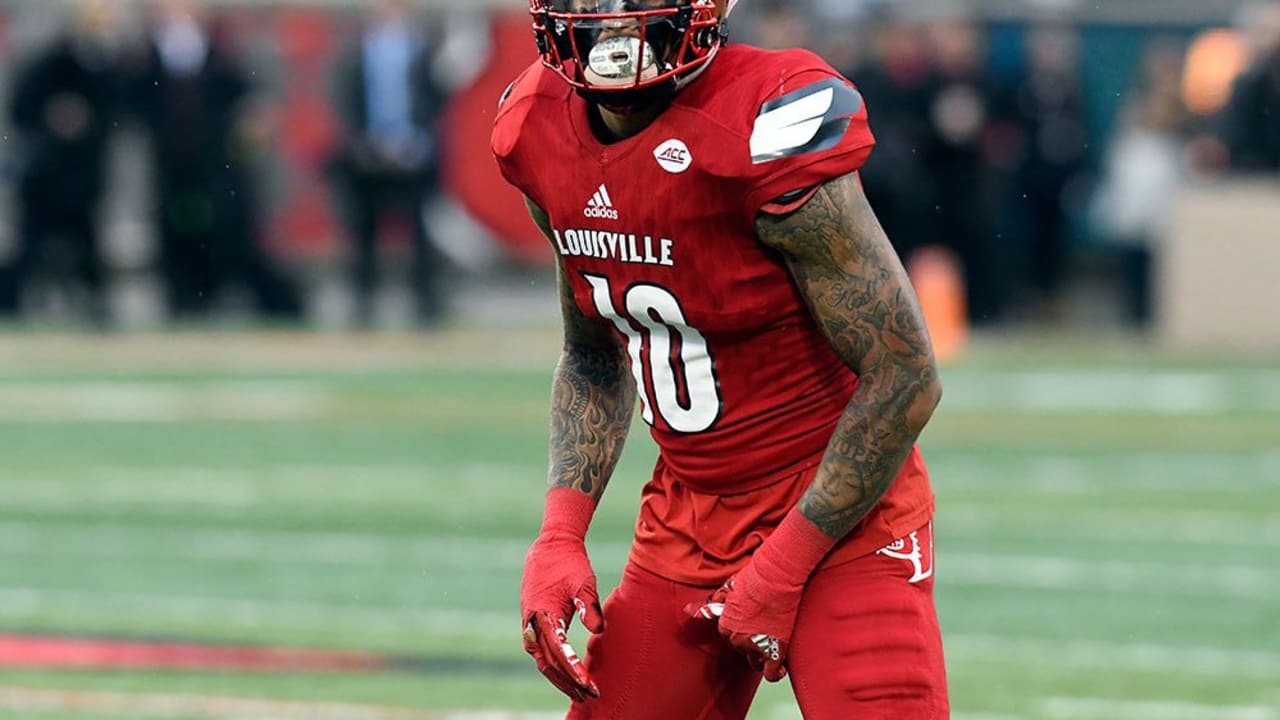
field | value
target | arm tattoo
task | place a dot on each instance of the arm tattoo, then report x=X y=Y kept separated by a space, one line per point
x=592 y=396
x=862 y=301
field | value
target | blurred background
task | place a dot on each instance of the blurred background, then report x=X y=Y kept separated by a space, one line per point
x=276 y=341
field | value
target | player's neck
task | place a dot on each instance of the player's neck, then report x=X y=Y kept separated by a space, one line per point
x=612 y=126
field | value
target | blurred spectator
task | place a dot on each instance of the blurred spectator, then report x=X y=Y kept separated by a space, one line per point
x=1049 y=107
x=391 y=106
x=1251 y=121
x=63 y=108
x=960 y=117
x=897 y=84
x=195 y=103
x=781 y=25
x=1143 y=170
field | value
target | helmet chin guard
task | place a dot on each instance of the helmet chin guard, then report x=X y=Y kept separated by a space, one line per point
x=625 y=54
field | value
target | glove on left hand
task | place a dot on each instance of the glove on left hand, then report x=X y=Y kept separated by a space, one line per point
x=756 y=609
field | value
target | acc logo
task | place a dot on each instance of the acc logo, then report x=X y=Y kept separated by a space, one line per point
x=673 y=155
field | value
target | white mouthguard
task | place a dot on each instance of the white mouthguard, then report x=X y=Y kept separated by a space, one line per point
x=614 y=61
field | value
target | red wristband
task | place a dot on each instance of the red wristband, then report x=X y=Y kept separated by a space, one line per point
x=568 y=511
x=795 y=548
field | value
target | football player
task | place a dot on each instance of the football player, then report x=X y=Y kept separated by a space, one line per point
x=719 y=263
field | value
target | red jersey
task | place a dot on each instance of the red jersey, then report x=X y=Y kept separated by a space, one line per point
x=656 y=235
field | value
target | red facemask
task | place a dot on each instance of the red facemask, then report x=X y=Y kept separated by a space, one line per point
x=622 y=49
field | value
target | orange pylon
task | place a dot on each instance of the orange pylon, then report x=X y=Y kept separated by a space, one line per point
x=938 y=278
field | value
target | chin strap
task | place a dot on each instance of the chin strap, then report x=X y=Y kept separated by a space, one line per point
x=682 y=82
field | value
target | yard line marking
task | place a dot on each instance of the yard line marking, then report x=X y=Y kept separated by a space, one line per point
x=1079 y=708
x=221 y=488
x=1137 y=657
x=221 y=707
x=161 y=402
x=1207 y=527
x=1209 y=579
x=198 y=487
x=1172 y=393
x=434 y=554
x=387 y=623
x=1059 y=573
x=1055 y=474
x=22 y=538
x=1111 y=391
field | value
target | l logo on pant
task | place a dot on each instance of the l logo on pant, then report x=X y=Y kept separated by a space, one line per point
x=909 y=549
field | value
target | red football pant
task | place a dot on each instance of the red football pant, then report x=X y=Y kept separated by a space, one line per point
x=866 y=647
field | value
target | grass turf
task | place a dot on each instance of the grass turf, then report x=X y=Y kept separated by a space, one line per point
x=1099 y=543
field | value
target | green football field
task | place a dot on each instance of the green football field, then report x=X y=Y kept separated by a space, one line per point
x=1108 y=530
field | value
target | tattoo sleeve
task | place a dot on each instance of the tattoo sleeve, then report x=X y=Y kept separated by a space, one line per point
x=592 y=395
x=862 y=301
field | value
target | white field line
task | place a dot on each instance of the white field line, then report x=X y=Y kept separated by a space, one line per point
x=1180 y=526
x=1078 y=708
x=385 y=623
x=236 y=488
x=161 y=402
x=1045 y=572
x=1101 y=391
x=26 y=538
x=1113 y=391
x=442 y=553
x=437 y=554
x=1132 y=657
x=1074 y=475
x=1049 y=475
x=215 y=707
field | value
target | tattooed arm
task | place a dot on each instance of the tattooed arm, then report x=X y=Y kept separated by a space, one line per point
x=864 y=304
x=592 y=397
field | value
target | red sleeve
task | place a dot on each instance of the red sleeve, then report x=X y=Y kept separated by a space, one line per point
x=810 y=129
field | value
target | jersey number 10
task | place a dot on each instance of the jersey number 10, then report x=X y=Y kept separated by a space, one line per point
x=684 y=390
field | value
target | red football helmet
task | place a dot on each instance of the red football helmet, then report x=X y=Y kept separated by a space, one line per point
x=612 y=49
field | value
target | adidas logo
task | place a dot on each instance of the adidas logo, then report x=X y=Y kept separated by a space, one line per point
x=601 y=206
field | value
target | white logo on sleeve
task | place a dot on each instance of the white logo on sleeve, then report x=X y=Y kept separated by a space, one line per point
x=915 y=555
x=673 y=155
x=601 y=206
x=792 y=125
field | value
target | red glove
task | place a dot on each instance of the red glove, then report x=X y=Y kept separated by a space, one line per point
x=558 y=580
x=756 y=608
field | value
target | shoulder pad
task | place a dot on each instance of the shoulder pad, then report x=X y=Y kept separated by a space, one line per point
x=514 y=105
x=811 y=119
